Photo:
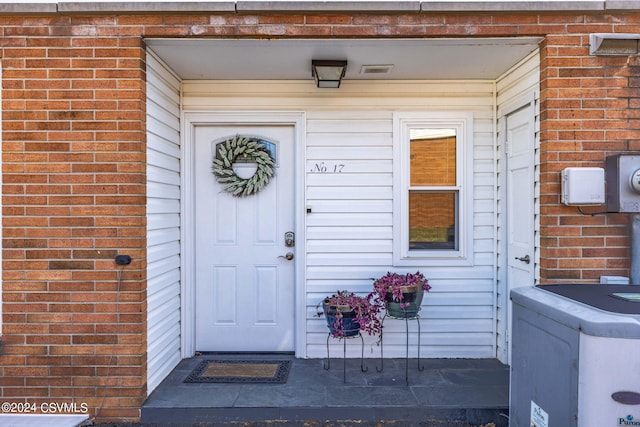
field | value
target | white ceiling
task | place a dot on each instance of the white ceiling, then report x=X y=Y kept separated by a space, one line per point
x=290 y=59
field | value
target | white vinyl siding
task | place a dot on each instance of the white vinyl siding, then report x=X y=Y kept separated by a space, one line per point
x=163 y=221
x=348 y=187
x=517 y=87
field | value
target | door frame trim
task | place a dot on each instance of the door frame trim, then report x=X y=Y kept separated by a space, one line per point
x=190 y=120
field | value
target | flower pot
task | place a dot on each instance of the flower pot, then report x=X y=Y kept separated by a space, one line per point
x=341 y=320
x=409 y=307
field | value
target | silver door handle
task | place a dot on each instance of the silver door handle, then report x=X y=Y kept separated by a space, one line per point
x=288 y=256
x=526 y=259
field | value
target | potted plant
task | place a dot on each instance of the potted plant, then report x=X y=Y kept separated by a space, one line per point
x=347 y=314
x=402 y=293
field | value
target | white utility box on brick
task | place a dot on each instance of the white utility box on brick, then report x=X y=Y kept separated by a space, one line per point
x=583 y=186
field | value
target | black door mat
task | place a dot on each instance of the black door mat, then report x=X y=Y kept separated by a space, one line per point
x=247 y=371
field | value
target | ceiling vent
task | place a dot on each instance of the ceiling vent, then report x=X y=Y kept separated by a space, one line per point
x=376 y=69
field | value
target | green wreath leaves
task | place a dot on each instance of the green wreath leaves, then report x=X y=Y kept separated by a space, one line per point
x=226 y=154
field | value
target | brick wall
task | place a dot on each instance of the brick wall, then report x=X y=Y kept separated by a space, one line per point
x=590 y=109
x=73 y=197
x=74 y=175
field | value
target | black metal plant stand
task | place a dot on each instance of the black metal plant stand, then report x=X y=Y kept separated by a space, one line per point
x=406 y=364
x=327 y=365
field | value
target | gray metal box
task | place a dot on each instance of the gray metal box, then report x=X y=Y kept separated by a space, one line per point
x=620 y=195
x=574 y=348
x=544 y=368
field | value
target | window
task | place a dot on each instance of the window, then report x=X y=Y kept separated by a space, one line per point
x=432 y=218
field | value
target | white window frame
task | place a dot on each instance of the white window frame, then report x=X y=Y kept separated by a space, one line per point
x=403 y=122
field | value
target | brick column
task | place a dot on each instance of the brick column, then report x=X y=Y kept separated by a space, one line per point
x=74 y=323
x=587 y=114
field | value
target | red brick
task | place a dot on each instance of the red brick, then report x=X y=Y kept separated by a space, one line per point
x=332 y=19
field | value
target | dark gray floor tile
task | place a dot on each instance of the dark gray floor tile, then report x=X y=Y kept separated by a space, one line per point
x=340 y=373
x=195 y=395
x=280 y=396
x=462 y=396
x=476 y=376
x=370 y=396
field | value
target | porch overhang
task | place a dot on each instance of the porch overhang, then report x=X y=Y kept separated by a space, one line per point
x=290 y=59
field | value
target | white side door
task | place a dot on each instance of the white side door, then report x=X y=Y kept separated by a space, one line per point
x=244 y=284
x=520 y=202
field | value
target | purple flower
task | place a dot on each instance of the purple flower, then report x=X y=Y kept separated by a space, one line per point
x=366 y=311
x=397 y=284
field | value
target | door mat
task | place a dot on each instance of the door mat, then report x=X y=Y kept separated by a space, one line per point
x=247 y=371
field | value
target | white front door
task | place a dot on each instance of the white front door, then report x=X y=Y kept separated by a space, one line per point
x=520 y=196
x=244 y=283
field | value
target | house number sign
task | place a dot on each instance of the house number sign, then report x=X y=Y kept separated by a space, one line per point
x=323 y=167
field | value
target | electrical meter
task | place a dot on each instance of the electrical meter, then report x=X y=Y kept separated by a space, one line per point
x=623 y=183
x=635 y=181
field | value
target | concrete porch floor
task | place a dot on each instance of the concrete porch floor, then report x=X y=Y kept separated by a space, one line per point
x=448 y=392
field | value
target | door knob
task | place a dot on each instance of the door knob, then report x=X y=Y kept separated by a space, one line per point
x=526 y=259
x=288 y=256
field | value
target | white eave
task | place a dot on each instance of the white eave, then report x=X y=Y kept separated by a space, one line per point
x=290 y=59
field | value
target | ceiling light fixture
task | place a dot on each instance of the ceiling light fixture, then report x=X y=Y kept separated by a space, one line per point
x=328 y=73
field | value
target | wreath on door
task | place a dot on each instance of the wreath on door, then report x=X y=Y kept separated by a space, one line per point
x=242 y=149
